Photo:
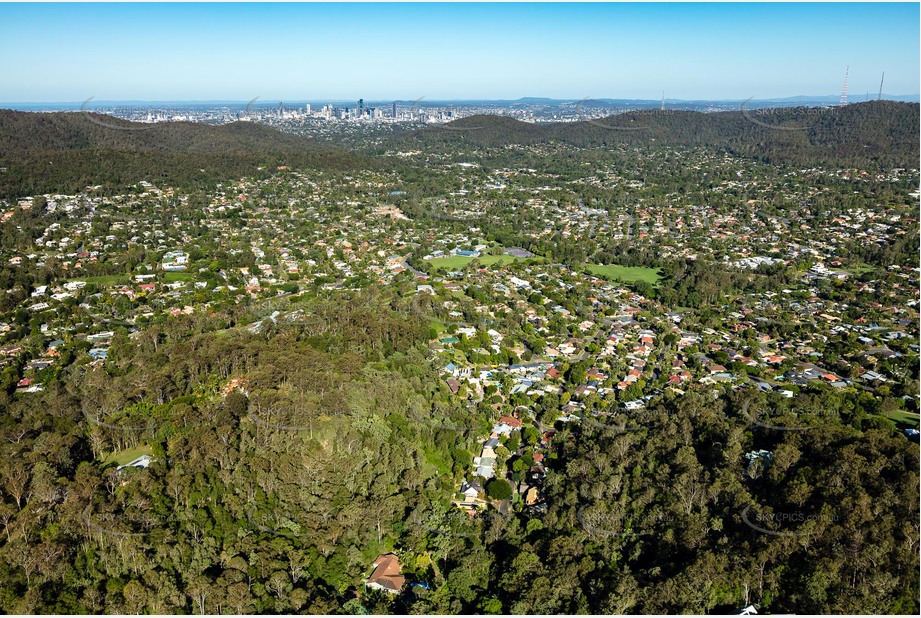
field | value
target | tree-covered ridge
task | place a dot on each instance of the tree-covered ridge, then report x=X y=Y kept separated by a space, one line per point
x=67 y=151
x=27 y=132
x=299 y=472
x=880 y=134
x=669 y=505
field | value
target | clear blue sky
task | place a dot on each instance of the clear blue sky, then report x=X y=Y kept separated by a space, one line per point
x=160 y=52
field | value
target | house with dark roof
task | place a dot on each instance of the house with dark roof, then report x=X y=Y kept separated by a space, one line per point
x=472 y=489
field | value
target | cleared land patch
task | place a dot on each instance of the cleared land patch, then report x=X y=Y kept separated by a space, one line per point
x=616 y=272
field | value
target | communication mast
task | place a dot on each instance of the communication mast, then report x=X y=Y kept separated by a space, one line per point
x=880 y=96
x=843 y=100
x=663 y=101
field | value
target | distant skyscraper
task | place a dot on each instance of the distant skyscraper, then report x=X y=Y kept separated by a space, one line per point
x=394 y=109
x=307 y=108
x=361 y=107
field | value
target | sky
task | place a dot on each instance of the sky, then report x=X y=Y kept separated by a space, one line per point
x=343 y=51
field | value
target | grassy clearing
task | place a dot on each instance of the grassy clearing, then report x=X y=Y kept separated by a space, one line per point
x=904 y=418
x=131 y=454
x=173 y=277
x=859 y=268
x=454 y=262
x=105 y=280
x=615 y=272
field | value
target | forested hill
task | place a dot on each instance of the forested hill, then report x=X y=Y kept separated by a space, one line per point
x=67 y=151
x=874 y=134
x=26 y=132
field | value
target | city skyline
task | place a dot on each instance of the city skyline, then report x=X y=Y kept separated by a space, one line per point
x=314 y=52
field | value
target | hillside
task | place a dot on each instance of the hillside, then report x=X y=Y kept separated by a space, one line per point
x=25 y=132
x=875 y=134
x=67 y=151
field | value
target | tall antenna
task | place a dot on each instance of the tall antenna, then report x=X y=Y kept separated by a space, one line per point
x=663 y=101
x=843 y=100
x=881 y=86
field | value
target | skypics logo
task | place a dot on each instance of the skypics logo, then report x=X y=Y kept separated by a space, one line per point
x=761 y=116
x=109 y=526
x=97 y=119
x=249 y=106
x=754 y=420
x=787 y=523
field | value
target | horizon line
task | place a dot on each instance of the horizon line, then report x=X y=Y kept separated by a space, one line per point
x=423 y=101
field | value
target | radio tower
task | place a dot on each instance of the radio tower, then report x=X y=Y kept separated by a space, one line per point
x=880 y=96
x=663 y=101
x=843 y=100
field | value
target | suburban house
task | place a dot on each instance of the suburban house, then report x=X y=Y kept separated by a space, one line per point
x=472 y=489
x=387 y=574
x=485 y=466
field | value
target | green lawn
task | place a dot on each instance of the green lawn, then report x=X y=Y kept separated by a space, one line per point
x=454 y=262
x=131 y=454
x=859 y=268
x=902 y=417
x=615 y=272
x=173 y=277
x=105 y=280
